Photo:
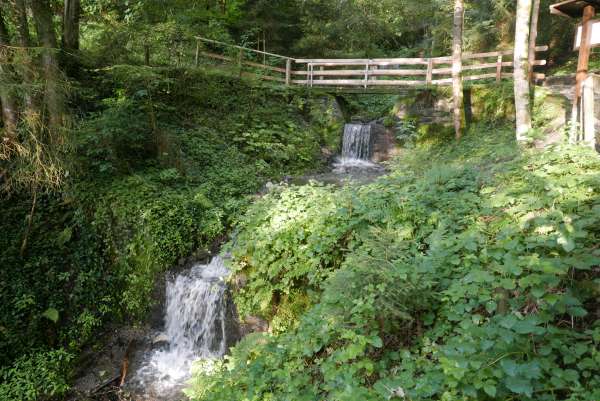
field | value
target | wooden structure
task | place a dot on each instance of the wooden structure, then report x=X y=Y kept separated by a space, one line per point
x=583 y=117
x=362 y=74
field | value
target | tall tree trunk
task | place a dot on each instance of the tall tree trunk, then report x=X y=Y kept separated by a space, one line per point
x=42 y=15
x=522 y=67
x=22 y=23
x=70 y=34
x=457 y=84
x=7 y=95
x=26 y=67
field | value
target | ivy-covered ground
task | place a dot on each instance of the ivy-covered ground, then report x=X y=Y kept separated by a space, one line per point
x=162 y=162
x=471 y=272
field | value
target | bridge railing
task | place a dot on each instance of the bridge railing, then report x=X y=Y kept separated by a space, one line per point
x=244 y=61
x=357 y=73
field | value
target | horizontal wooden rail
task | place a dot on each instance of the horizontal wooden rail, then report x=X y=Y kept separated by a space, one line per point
x=355 y=72
x=216 y=42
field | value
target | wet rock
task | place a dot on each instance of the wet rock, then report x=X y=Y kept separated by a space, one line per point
x=240 y=281
x=254 y=324
x=160 y=340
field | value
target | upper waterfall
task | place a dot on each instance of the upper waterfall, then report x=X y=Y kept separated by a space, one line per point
x=357 y=142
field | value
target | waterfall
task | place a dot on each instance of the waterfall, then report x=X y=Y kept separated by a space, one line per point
x=357 y=142
x=196 y=327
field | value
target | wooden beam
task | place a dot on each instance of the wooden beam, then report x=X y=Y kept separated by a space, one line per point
x=429 y=71
x=589 y=118
x=288 y=71
x=499 y=65
x=362 y=61
x=584 y=50
x=264 y=66
x=350 y=73
x=535 y=16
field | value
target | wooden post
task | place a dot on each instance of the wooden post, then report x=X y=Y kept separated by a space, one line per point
x=589 y=118
x=535 y=16
x=241 y=61
x=197 y=63
x=582 y=65
x=288 y=72
x=321 y=77
x=429 y=77
x=366 y=75
x=499 y=69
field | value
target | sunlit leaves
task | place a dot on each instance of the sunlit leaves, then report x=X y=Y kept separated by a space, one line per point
x=493 y=284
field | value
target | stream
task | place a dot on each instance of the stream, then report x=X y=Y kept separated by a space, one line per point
x=197 y=318
x=199 y=323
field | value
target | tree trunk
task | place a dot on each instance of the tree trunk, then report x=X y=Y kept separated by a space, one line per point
x=42 y=15
x=70 y=35
x=26 y=67
x=22 y=23
x=457 y=84
x=522 y=67
x=7 y=95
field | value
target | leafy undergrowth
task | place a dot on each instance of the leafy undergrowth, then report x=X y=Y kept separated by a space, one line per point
x=469 y=273
x=165 y=160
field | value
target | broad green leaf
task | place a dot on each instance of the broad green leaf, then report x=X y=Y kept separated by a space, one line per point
x=509 y=366
x=519 y=385
x=51 y=314
x=566 y=242
x=490 y=390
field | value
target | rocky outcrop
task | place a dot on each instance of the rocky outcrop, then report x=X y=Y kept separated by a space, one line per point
x=385 y=145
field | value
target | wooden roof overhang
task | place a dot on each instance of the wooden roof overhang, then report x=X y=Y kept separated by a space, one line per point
x=573 y=8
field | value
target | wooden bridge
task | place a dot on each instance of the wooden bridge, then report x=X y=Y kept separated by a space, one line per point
x=361 y=74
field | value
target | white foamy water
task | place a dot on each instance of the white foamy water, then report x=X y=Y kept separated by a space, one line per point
x=195 y=328
x=353 y=163
x=357 y=142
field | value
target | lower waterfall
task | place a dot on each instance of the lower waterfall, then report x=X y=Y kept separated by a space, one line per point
x=196 y=327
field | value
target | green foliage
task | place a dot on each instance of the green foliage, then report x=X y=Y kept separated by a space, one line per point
x=165 y=162
x=36 y=377
x=494 y=104
x=470 y=272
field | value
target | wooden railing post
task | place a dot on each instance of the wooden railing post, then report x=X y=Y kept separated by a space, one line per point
x=197 y=61
x=429 y=76
x=288 y=72
x=533 y=33
x=321 y=77
x=589 y=119
x=499 y=69
x=366 y=75
x=582 y=68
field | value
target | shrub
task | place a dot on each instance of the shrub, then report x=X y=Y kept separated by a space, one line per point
x=470 y=273
x=39 y=376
